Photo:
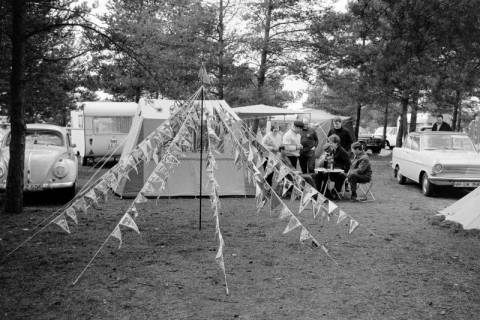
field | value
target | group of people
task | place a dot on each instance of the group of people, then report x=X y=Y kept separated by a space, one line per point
x=298 y=145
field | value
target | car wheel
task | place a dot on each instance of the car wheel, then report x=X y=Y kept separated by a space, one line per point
x=84 y=161
x=427 y=187
x=376 y=150
x=387 y=144
x=400 y=179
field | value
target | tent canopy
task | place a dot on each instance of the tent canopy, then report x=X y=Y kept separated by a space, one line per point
x=185 y=180
x=465 y=211
x=262 y=110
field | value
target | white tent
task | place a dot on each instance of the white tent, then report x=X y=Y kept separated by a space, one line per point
x=465 y=211
x=185 y=180
x=262 y=110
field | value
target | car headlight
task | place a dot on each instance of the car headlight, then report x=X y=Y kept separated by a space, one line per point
x=60 y=171
x=437 y=168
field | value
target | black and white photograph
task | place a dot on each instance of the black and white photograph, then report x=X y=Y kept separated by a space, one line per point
x=240 y=159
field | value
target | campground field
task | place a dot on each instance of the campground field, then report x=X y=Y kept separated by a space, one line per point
x=414 y=267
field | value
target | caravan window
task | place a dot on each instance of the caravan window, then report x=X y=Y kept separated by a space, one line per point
x=108 y=125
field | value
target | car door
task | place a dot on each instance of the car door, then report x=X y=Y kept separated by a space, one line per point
x=415 y=160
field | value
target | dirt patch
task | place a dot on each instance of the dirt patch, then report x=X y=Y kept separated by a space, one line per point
x=412 y=269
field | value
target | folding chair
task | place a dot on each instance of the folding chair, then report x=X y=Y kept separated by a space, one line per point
x=365 y=190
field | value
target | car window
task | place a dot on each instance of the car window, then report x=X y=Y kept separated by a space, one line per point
x=447 y=142
x=408 y=143
x=41 y=137
x=415 y=143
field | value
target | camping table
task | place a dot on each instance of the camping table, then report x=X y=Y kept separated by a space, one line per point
x=329 y=180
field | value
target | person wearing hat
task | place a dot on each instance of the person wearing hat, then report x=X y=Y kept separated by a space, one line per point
x=291 y=141
x=309 y=142
x=344 y=135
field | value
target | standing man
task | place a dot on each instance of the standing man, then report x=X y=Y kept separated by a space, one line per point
x=291 y=141
x=344 y=135
x=309 y=142
x=440 y=125
x=474 y=130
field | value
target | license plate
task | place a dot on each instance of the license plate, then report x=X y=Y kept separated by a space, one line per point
x=466 y=184
x=33 y=187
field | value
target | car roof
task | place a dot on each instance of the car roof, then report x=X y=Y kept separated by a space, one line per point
x=437 y=133
x=44 y=126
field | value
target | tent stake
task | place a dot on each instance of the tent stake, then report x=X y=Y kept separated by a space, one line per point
x=201 y=161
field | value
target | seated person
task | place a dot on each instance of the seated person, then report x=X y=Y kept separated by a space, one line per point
x=283 y=155
x=335 y=157
x=360 y=171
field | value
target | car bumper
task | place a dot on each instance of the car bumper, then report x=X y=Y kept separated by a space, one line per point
x=456 y=182
x=42 y=186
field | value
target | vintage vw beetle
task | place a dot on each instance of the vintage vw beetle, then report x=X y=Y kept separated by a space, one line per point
x=437 y=159
x=50 y=162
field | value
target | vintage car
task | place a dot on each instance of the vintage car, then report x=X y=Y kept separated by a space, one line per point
x=50 y=162
x=390 y=138
x=370 y=141
x=436 y=159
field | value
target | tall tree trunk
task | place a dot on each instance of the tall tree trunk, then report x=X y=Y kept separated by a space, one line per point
x=402 y=130
x=413 y=112
x=14 y=189
x=459 y=118
x=357 y=121
x=456 y=107
x=266 y=46
x=385 y=122
x=221 y=51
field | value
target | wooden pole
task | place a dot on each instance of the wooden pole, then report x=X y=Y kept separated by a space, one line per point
x=201 y=160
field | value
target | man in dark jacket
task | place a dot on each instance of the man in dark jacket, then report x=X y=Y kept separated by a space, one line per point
x=440 y=125
x=360 y=171
x=341 y=160
x=344 y=135
x=309 y=142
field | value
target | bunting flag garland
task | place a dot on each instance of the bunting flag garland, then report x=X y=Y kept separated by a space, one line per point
x=127 y=221
x=353 y=225
x=61 y=221
x=116 y=233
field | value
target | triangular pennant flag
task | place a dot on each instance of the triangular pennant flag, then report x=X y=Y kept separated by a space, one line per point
x=341 y=216
x=221 y=244
x=91 y=196
x=331 y=207
x=144 y=148
x=285 y=213
x=303 y=204
x=61 y=221
x=292 y=224
x=116 y=233
x=282 y=172
x=305 y=235
x=286 y=186
x=274 y=201
x=127 y=221
x=72 y=214
x=140 y=198
x=250 y=153
x=353 y=225
x=81 y=205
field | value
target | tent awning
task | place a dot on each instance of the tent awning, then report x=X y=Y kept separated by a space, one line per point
x=261 y=110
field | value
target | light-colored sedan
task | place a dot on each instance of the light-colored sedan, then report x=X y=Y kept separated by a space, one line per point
x=50 y=162
x=437 y=159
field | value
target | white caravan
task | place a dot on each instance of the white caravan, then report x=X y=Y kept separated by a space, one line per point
x=99 y=129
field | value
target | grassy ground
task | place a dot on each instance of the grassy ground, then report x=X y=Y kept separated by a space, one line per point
x=411 y=269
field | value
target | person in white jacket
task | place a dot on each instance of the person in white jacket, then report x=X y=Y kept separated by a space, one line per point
x=273 y=140
x=291 y=141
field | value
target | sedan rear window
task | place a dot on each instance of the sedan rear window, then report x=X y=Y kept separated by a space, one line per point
x=42 y=137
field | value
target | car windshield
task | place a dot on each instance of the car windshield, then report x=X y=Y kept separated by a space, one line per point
x=42 y=137
x=447 y=142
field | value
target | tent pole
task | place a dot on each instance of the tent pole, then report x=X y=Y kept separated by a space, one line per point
x=201 y=160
